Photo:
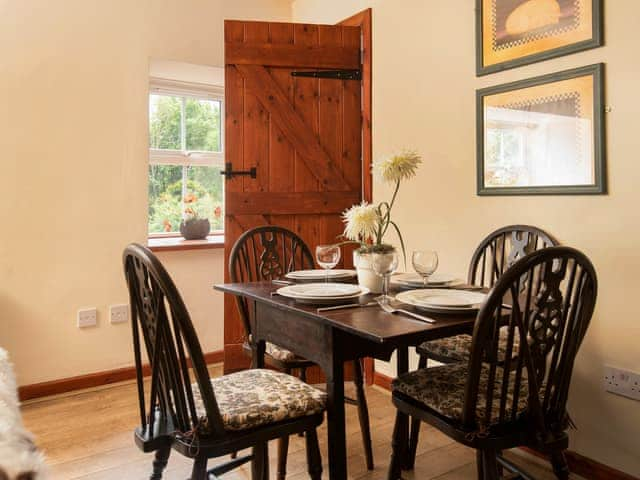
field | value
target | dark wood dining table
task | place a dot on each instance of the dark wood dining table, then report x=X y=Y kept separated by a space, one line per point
x=331 y=338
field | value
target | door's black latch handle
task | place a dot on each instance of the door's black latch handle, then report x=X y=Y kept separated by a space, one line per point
x=228 y=172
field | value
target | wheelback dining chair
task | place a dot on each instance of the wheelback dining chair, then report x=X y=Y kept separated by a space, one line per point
x=501 y=399
x=494 y=255
x=209 y=417
x=269 y=253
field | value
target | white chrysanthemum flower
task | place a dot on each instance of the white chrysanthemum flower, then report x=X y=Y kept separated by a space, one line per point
x=360 y=221
x=398 y=167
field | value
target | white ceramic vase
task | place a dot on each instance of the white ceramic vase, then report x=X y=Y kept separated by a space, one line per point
x=366 y=275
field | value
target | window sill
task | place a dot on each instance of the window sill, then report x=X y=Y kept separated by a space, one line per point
x=169 y=244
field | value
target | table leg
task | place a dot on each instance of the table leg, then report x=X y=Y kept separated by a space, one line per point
x=258 y=347
x=335 y=420
x=257 y=358
x=401 y=436
x=402 y=365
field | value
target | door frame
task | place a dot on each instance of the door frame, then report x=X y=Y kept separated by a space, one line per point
x=364 y=20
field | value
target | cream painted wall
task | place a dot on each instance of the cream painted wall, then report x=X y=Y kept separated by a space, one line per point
x=424 y=90
x=73 y=150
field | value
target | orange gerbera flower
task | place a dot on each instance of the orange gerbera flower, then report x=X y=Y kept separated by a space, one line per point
x=167 y=225
x=190 y=198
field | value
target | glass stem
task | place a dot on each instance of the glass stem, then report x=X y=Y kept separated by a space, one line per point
x=385 y=287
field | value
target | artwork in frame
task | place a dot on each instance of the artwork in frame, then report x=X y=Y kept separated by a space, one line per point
x=543 y=135
x=511 y=33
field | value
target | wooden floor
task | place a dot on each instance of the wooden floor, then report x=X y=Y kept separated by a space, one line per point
x=88 y=435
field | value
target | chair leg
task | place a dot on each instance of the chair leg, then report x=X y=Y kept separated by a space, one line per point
x=479 y=464
x=199 y=471
x=363 y=413
x=314 y=461
x=260 y=463
x=414 y=433
x=398 y=444
x=283 y=450
x=560 y=466
x=302 y=376
x=160 y=462
x=490 y=465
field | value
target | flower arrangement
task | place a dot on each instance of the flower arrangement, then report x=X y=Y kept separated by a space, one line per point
x=366 y=223
x=190 y=210
x=193 y=226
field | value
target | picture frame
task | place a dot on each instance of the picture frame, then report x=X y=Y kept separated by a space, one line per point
x=512 y=33
x=543 y=136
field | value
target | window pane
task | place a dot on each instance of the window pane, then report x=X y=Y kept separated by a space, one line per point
x=164 y=122
x=165 y=198
x=205 y=185
x=202 y=118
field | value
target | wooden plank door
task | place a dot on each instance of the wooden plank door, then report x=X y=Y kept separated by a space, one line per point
x=302 y=134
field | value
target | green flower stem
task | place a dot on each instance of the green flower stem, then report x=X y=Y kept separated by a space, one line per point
x=351 y=242
x=395 y=193
x=390 y=206
x=404 y=251
x=383 y=222
x=380 y=225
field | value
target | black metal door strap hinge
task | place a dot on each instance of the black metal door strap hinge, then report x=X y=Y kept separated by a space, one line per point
x=331 y=74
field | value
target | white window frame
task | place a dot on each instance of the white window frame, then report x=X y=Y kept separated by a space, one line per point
x=185 y=157
x=192 y=90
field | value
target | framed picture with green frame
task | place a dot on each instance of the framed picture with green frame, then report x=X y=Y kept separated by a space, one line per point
x=543 y=135
x=511 y=33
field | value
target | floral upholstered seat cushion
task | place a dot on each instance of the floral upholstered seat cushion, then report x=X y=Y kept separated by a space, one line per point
x=442 y=389
x=276 y=352
x=280 y=353
x=457 y=348
x=254 y=398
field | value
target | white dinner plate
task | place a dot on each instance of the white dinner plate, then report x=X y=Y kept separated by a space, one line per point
x=320 y=274
x=322 y=293
x=443 y=300
x=321 y=290
x=435 y=280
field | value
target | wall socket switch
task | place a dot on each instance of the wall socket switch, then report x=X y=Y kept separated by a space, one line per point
x=622 y=382
x=119 y=313
x=87 y=317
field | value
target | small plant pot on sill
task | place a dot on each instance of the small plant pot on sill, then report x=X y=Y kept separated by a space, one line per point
x=195 y=228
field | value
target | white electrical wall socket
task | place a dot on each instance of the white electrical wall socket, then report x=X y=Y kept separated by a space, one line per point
x=622 y=382
x=119 y=313
x=87 y=317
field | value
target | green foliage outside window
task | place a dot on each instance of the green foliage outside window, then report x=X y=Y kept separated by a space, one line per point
x=204 y=183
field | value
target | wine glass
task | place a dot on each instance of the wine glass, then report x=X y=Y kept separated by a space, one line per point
x=425 y=262
x=384 y=264
x=327 y=257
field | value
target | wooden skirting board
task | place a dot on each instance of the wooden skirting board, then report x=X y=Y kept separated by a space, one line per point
x=578 y=464
x=63 y=385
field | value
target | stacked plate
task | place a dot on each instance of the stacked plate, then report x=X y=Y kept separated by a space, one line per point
x=316 y=275
x=437 y=280
x=443 y=301
x=323 y=293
